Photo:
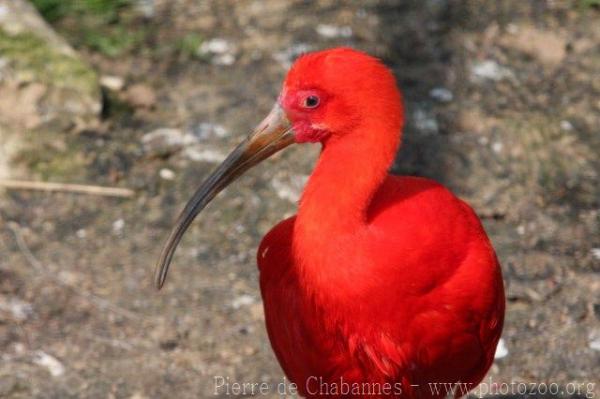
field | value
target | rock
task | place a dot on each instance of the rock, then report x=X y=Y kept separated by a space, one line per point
x=141 y=96
x=566 y=125
x=206 y=131
x=43 y=71
x=501 y=350
x=42 y=80
x=113 y=83
x=425 y=121
x=166 y=141
x=489 y=70
x=52 y=364
x=146 y=7
x=118 y=226
x=19 y=309
x=594 y=340
x=221 y=51
x=166 y=174
x=215 y=46
x=441 y=94
x=204 y=155
x=332 y=31
x=497 y=147
x=242 y=301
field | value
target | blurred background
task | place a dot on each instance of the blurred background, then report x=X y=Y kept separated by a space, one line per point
x=147 y=96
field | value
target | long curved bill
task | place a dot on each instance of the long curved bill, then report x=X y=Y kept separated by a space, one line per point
x=271 y=135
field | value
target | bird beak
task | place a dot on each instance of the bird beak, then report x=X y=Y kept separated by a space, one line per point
x=271 y=135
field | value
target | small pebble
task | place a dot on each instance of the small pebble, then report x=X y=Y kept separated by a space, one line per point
x=501 y=350
x=441 y=94
x=206 y=131
x=224 y=59
x=118 y=226
x=595 y=340
x=332 y=31
x=204 y=155
x=497 y=147
x=425 y=121
x=52 y=364
x=113 y=83
x=166 y=174
x=566 y=125
x=19 y=309
x=490 y=70
x=215 y=46
x=81 y=233
x=146 y=7
x=596 y=253
x=242 y=300
x=141 y=96
x=166 y=141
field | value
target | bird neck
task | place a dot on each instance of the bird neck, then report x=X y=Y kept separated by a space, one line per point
x=337 y=196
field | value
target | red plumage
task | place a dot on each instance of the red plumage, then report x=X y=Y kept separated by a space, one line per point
x=378 y=279
x=385 y=284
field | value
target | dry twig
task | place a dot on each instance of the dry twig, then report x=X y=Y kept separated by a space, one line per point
x=67 y=187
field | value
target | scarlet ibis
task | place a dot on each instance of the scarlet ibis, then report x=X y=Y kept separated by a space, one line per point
x=380 y=285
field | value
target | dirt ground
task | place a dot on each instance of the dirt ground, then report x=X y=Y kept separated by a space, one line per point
x=502 y=104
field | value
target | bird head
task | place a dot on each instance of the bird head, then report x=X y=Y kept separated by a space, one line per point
x=327 y=96
x=334 y=93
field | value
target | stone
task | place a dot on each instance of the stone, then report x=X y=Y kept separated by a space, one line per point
x=489 y=70
x=166 y=141
x=50 y=363
x=441 y=94
x=220 y=50
x=501 y=350
x=141 y=96
x=166 y=174
x=113 y=83
x=42 y=70
x=44 y=83
x=332 y=31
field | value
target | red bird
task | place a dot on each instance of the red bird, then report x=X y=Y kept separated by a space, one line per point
x=381 y=285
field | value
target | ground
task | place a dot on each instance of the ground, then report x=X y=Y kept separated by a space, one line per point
x=502 y=105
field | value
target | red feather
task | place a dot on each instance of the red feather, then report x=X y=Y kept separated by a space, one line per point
x=378 y=279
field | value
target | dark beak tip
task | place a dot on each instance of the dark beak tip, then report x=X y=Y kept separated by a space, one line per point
x=159 y=279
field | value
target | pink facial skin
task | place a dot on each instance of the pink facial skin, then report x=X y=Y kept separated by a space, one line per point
x=305 y=120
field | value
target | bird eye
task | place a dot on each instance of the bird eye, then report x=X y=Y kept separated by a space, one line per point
x=311 y=102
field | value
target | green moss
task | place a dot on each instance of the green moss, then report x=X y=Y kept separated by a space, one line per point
x=34 y=59
x=113 y=42
x=589 y=3
x=103 y=26
x=41 y=156
x=55 y=10
x=188 y=46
